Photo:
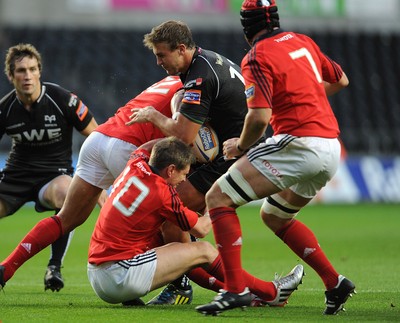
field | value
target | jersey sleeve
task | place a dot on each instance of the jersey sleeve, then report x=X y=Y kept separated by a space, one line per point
x=176 y=212
x=143 y=154
x=200 y=87
x=332 y=72
x=75 y=111
x=80 y=113
x=258 y=81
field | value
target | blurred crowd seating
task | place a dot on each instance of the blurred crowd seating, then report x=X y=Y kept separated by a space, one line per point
x=106 y=68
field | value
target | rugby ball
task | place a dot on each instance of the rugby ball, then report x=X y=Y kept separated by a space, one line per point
x=206 y=145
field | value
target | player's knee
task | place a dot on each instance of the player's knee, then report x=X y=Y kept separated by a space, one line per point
x=207 y=251
x=55 y=192
x=212 y=196
x=234 y=186
x=276 y=211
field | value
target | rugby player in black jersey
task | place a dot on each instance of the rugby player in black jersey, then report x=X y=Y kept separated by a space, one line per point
x=213 y=94
x=39 y=117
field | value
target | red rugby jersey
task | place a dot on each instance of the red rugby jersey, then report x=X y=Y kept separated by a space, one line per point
x=285 y=71
x=130 y=220
x=159 y=96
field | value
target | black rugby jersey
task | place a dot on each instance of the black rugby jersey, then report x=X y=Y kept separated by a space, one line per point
x=214 y=93
x=42 y=137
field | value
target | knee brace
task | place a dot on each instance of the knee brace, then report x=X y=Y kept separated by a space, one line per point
x=277 y=206
x=236 y=187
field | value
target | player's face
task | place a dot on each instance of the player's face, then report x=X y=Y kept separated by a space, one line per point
x=172 y=61
x=26 y=78
x=178 y=176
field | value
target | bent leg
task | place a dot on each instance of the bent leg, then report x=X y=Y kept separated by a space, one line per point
x=43 y=234
x=79 y=203
x=175 y=259
x=296 y=235
x=241 y=184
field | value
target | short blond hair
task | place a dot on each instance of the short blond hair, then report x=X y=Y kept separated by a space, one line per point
x=18 y=52
x=172 y=32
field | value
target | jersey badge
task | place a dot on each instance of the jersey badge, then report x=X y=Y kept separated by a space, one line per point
x=73 y=100
x=192 y=83
x=192 y=97
x=219 y=60
x=49 y=119
x=82 y=111
x=250 y=90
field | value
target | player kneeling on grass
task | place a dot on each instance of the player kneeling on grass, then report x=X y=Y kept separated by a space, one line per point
x=127 y=258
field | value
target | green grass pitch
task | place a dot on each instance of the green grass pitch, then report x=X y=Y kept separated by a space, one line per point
x=362 y=241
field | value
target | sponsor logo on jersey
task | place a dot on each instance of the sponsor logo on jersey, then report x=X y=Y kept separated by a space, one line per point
x=192 y=97
x=73 y=100
x=250 y=91
x=37 y=135
x=219 y=60
x=283 y=38
x=49 y=119
x=82 y=111
x=192 y=83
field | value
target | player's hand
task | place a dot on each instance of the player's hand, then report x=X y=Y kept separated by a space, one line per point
x=229 y=148
x=140 y=115
x=102 y=198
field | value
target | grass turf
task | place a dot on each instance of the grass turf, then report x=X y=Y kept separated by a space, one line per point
x=362 y=242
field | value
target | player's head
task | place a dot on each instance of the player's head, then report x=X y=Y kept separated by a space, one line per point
x=257 y=15
x=17 y=53
x=173 y=46
x=172 y=158
x=171 y=32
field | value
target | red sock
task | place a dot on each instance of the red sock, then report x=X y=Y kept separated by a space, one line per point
x=228 y=236
x=303 y=242
x=43 y=234
x=202 y=278
x=264 y=290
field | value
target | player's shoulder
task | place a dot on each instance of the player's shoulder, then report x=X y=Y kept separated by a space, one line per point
x=8 y=99
x=56 y=89
x=212 y=58
x=60 y=95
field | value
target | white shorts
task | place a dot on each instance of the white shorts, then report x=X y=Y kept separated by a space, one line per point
x=126 y=280
x=303 y=164
x=102 y=159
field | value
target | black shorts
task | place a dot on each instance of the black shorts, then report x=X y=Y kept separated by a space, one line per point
x=204 y=175
x=18 y=187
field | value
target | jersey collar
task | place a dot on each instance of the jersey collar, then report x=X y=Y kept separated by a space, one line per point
x=268 y=35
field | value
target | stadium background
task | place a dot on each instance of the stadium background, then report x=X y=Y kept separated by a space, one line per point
x=94 y=48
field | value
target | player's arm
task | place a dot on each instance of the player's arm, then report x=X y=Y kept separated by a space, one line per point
x=181 y=128
x=255 y=125
x=332 y=88
x=89 y=128
x=202 y=227
x=149 y=144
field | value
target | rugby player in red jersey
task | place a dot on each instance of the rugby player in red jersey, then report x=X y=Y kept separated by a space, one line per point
x=287 y=80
